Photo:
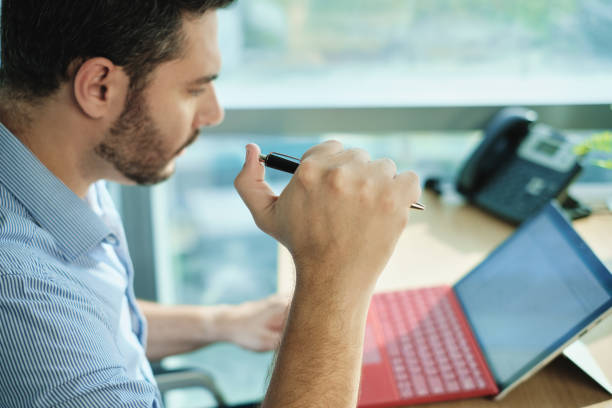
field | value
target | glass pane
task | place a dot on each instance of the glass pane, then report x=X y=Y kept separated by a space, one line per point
x=387 y=52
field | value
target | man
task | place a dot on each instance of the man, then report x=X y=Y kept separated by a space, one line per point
x=116 y=90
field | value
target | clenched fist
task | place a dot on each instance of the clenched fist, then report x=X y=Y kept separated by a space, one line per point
x=340 y=215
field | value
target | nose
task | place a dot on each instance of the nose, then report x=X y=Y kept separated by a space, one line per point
x=210 y=112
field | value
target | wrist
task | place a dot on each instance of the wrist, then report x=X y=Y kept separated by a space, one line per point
x=214 y=324
x=323 y=302
x=343 y=286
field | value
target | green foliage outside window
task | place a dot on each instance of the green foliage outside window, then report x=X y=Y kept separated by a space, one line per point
x=599 y=142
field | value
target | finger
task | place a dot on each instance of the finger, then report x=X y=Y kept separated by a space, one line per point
x=276 y=323
x=328 y=147
x=276 y=317
x=263 y=341
x=279 y=299
x=409 y=186
x=270 y=340
x=385 y=167
x=252 y=187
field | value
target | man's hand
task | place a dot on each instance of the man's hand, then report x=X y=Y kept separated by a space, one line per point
x=175 y=329
x=257 y=325
x=340 y=216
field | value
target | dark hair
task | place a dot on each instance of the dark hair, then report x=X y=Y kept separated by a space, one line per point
x=41 y=39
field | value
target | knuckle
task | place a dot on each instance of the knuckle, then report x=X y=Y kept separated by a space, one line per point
x=389 y=163
x=366 y=185
x=238 y=181
x=334 y=143
x=337 y=179
x=358 y=154
x=415 y=190
x=366 y=190
x=306 y=172
x=413 y=177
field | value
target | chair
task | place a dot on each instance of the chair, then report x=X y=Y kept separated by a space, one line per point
x=172 y=379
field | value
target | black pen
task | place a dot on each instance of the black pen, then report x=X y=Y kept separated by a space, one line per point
x=289 y=164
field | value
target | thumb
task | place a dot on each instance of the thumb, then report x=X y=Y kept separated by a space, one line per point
x=253 y=189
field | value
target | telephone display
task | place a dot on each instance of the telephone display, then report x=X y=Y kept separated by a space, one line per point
x=518 y=167
x=547 y=148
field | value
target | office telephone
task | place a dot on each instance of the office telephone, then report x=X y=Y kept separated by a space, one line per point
x=518 y=167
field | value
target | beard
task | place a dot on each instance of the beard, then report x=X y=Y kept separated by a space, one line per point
x=134 y=144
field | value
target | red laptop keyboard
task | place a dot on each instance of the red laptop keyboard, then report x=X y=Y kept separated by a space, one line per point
x=419 y=348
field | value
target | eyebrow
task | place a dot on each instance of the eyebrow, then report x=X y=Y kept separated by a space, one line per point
x=204 y=80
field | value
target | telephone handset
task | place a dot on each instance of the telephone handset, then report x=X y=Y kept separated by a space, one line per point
x=518 y=167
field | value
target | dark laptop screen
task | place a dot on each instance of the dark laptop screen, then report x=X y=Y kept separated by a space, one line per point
x=534 y=292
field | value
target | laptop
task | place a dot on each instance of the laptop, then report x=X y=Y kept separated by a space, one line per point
x=536 y=293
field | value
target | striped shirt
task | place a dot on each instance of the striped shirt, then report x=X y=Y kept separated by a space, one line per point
x=71 y=334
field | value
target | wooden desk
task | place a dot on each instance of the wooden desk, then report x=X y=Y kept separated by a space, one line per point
x=445 y=242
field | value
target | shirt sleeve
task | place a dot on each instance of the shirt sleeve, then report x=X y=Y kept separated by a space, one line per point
x=57 y=349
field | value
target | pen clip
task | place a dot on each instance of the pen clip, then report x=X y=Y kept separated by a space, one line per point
x=286 y=156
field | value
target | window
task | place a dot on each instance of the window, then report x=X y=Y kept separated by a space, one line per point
x=406 y=53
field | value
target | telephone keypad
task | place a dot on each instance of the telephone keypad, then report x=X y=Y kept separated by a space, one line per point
x=520 y=188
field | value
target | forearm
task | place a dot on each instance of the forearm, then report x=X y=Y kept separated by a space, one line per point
x=180 y=329
x=320 y=355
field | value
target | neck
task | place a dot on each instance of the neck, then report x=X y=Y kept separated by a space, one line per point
x=54 y=134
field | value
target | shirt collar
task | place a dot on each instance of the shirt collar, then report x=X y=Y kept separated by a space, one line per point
x=74 y=226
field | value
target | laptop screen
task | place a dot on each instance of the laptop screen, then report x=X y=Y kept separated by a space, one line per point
x=533 y=293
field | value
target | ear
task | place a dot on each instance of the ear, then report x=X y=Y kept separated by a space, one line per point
x=97 y=83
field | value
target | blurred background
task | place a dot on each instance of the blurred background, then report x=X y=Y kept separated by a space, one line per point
x=410 y=80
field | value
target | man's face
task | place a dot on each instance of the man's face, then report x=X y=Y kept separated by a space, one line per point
x=159 y=122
